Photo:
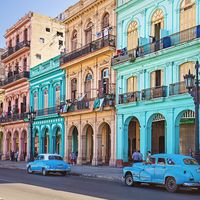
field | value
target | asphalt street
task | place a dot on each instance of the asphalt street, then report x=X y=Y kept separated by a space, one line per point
x=17 y=185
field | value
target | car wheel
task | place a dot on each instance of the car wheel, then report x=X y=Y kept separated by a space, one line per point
x=29 y=171
x=171 y=185
x=44 y=172
x=64 y=173
x=129 y=180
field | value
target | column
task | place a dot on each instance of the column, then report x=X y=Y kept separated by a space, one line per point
x=67 y=141
x=20 y=146
x=51 y=141
x=113 y=135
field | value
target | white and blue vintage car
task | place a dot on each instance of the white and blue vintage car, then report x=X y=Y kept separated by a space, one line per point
x=171 y=170
x=46 y=163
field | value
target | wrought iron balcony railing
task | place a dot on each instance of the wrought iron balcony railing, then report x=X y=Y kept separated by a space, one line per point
x=165 y=42
x=12 y=50
x=13 y=117
x=14 y=77
x=152 y=93
x=129 y=97
x=105 y=41
x=177 y=88
x=48 y=111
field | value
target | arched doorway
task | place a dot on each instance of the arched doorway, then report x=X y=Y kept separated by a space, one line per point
x=16 y=141
x=46 y=141
x=186 y=125
x=74 y=140
x=57 y=148
x=24 y=145
x=8 y=143
x=158 y=132
x=89 y=144
x=36 y=142
x=105 y=146
x=133 y=137
x=1 y=143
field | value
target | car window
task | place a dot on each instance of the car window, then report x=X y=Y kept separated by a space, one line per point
x=170 y=161
x=161 y=161
x=53 y=157
x=190 y=161
x=152 y=160
x=42 y=157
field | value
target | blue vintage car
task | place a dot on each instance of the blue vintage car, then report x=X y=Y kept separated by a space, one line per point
x=46 y=163
x=171 y=170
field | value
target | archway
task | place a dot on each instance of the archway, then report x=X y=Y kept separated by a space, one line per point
x=23 y=145
x=89 y=144
x=104 y=148
x=57 y=148
x=158 y=131
x=46 y=141
x=74 y=140
x=133 y=137
x=1 y=144
x=36 y=142
x=8 y=143
x=186 y=132
x=15 y=141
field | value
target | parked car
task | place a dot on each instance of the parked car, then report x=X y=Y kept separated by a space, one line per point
x=46 y=163
x=171 y=170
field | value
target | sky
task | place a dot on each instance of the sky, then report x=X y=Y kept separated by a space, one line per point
x=12 y=10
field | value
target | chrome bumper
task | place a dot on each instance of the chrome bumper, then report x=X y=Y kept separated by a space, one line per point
x=58 y=170
x=191 y=184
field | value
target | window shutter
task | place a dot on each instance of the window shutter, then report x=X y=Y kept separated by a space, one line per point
x=135 y=88
x=153 y=79
x=100 y=88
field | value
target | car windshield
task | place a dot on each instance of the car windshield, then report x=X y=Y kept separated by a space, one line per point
x=190 y=161
x=53 y=157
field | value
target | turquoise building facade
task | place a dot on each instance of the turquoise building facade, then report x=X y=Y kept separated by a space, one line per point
x=158 y=42
x=47 y=91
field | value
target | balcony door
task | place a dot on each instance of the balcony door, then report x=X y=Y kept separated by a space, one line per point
x=88 y=85
x=88 y=33
x=132 y=84
x=73 y=88
x=156 y=78
x=132 y=36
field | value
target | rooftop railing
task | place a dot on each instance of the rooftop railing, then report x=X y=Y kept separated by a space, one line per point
x=105 y=41
x=12 y=50
x=166 y=42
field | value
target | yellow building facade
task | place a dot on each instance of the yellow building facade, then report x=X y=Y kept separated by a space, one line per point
x=89 y=110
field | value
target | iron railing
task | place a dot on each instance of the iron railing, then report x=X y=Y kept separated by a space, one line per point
x=13 y=117
x=15 y=77
x=12 y=50
x=48 y=111
x=129 y=97
x=177 y=88
x=152 y=93
x=165 y=42
x=105 y=41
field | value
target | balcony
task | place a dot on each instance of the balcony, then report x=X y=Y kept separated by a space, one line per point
x=12 y=50
x=48 y=111
x=152 y=93
x=129 y=97
x=13 y=117
x=106 y=41
x=164 y=43
x=12 y=77
x=177 y=88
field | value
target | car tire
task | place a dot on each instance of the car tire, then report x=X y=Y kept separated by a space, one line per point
x=64 y=173
x=44 y=172
x=29 y=171
x=129 y=180
x=171 y=185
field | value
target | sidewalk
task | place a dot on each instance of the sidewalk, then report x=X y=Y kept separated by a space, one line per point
x=100 y=172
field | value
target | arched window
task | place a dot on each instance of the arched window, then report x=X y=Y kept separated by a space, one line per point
x=105 y=21
x=132 y=84
x=184 y=68
x=157 y=23
x=156 y=78
x=88 y=84
x=88 y=33
x=132 y=42
x=187 y=14
x=26 y=34
x=74 y=88
x=17 y=40
x=45 y=98
x=58 y=95
x=74 y=40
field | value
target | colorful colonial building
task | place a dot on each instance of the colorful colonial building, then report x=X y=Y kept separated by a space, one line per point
x=47 y=89
x=90 y=82
x=159 y=43
x=32 y=40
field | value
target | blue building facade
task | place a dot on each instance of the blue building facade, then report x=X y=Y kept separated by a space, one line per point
x=158 y=43
x=47 y=91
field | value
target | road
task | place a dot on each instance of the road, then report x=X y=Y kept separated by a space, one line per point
x=17 y=185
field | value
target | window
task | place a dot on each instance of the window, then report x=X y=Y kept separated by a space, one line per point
x=190 y=161
x=47 y=29
x=184 y=69
x=132 y=84
x=38 y=56
x=35 y=101
x=57 y=95
x=41 y=40
x=60 y=43
x=45 y=98
x=74 y=40
x=105 y=21
x=88 y=81
x=25 y=34
x=25 y=64
x=156 y=78
x=17 y=40
x=73 y=88
x=152 y=160
x=132 y=35
x=105 y=73
x=53 y=157
x=10 y=44
x=170 y=161
x=59 y=34
x=161 y=161
x=88 y=33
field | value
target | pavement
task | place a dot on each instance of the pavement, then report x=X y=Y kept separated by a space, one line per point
x=100 y=172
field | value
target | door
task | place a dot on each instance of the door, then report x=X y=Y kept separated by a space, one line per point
x=160 y=169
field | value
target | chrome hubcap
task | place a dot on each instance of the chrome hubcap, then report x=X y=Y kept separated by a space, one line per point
x=129 y=181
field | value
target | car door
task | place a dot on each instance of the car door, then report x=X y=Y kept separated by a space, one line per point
x=40 y=163
x=160 y=169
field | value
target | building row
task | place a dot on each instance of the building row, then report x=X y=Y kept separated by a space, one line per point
x=105 y=78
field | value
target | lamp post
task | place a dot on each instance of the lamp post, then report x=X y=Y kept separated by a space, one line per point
x=192 y=85
x=31 y=117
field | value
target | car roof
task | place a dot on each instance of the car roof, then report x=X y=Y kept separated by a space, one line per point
x=49 y=154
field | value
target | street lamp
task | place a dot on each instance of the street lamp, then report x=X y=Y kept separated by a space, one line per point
x=192 y=85
x=31 y=116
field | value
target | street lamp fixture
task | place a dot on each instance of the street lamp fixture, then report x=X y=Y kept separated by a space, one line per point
x=192 y=84
x=31 y=116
